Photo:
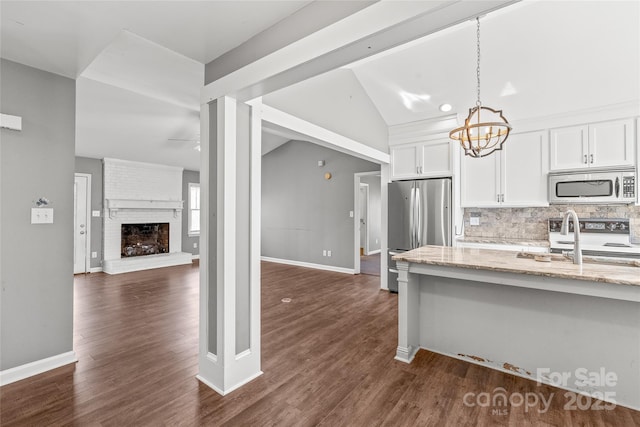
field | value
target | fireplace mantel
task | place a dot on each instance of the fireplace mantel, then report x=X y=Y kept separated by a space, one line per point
x=115 y=205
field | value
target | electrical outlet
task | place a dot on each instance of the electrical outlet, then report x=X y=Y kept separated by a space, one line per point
x=351 y=214
x=94 y=254
x=474 y=218
x=95 y=213
x=328 y=253
x=195 y=245
x=324 y=252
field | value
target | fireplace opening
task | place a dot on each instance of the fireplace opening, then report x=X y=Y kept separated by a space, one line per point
x=144 y=239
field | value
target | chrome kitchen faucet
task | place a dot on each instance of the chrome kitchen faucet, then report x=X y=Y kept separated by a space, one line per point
x=564 y=230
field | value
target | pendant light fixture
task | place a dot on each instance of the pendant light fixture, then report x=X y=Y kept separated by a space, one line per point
x=485 y=129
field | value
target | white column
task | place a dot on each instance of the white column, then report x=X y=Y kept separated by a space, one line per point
x=228 y=142
x=408 y=313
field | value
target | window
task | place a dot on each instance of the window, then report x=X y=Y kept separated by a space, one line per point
x=194 y=209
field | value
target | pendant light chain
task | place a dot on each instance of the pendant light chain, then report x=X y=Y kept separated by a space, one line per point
x=478 y=103
x=485 y=130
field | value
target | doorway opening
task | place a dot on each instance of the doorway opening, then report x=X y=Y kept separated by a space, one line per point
x=81 y=223
x=368 y=223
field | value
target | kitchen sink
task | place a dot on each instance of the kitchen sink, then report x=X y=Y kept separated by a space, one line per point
x=585 y=259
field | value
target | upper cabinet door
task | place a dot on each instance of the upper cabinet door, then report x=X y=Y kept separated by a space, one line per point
x=480 y=180
x=435 y=159
x=404 y=161
x=569 y=148
x=597 y=145
x=611 y=143
x=525 y=168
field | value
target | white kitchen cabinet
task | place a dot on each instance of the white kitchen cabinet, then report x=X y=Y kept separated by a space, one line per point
x=569 y=148
x=525 y=169
x=404 y=161
x=481 y=180
x=595 y=145
x=421 y=160
x=515 y=176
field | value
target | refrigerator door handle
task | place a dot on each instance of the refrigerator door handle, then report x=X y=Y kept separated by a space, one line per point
x=418 y=219
x=412 y=234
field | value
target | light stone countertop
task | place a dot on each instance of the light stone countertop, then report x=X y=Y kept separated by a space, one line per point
x=497 y=260
x=504 y=241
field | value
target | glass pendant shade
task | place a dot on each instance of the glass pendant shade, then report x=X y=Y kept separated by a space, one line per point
x=484 y=131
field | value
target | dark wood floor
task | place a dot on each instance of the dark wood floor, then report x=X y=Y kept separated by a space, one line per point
x=327 y=360
x=370 y=264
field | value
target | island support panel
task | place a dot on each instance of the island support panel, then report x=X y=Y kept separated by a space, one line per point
x=532 y=326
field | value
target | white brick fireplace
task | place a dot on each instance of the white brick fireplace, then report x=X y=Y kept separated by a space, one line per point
x=139 y=193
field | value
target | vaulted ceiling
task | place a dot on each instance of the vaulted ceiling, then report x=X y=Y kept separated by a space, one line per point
x=140 y=66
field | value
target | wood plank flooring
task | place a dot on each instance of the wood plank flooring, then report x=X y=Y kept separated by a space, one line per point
x=327 y=358
x=370 y=264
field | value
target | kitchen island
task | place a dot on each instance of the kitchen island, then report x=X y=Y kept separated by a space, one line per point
x=555 y=322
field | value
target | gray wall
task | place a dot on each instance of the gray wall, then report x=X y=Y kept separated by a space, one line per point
x=188 y=241
x=243 y=227
x=36 y=266
x=94 y=167
x=302 y=212
x=375 y=211
x=212 y=238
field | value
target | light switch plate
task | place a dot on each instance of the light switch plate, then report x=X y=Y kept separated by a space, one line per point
x=95 y=213
x=41 y=215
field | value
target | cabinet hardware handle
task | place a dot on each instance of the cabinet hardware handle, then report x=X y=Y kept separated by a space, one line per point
x=585 y=159
x=591 y=158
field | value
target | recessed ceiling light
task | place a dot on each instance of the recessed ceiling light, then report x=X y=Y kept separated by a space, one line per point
x=445 y=107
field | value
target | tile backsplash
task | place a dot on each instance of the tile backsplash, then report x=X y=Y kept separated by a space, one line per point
x=531 y=223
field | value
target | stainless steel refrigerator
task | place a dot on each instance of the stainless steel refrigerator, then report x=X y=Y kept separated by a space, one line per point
x=419 y=215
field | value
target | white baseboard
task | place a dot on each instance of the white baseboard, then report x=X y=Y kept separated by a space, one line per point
x=27 y=370
x=235 y=387
x=377 y=251
x=209 y=384
x=196 y=256
x=309 y=265
x=95 y=270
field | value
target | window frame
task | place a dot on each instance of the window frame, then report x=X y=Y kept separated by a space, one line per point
x=190 y=230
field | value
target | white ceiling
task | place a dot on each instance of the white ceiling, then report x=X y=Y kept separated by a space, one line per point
x=538 y=58
x=64 y=37
x=139 y=65
x=140 y=101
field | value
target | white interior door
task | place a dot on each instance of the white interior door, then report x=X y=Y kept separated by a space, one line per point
x=81 y=188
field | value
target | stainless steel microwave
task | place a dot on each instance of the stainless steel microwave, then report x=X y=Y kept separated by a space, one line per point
x=611 y=186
